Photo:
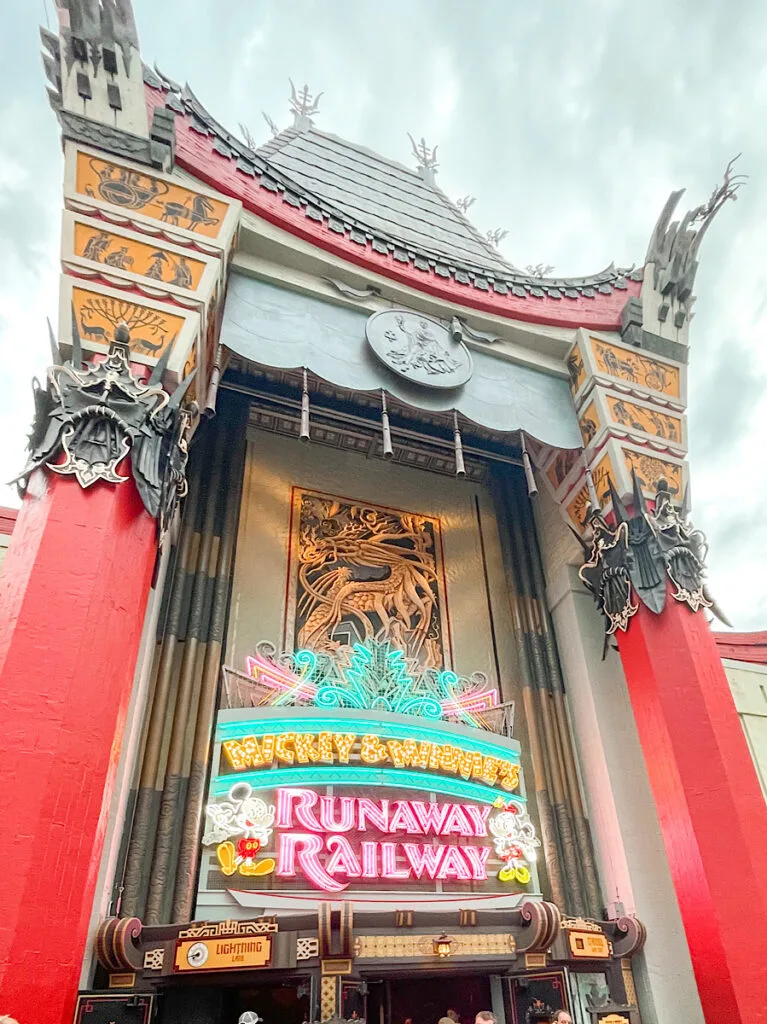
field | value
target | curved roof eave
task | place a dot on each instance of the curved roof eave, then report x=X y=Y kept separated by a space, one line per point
x=213 y=155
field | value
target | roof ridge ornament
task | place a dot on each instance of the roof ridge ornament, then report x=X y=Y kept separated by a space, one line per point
x=496 y=236
x=540 y=270
x=673 y=247
x=426 y=159
x=302 y=106
x=465 y=202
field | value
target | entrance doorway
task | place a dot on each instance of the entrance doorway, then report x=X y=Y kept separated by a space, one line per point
x=426 y=999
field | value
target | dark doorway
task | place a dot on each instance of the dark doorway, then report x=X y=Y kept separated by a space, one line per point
x=274 y=1004
x=426 y=1000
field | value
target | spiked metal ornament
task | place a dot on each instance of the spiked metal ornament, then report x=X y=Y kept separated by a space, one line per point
x=636 y=557
x=95 y=416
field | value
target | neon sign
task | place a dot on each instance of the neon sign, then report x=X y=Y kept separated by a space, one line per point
x=338 y=799
x=373 y=676
x=371 y=749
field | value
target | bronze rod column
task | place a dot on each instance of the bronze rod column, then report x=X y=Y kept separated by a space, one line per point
x=148 y=797
x=512 y=540
x=174 y=792
x=190 y=853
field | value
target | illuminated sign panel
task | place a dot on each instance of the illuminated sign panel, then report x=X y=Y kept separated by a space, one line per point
x=330 y=801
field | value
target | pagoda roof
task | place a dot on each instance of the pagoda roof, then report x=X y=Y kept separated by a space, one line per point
x=382 y=216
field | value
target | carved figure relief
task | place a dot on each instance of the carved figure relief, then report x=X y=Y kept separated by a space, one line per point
x=636 y=368
x=419 y=348
x=152 y=261
x=152 y=331
x=134 y=190
x=364 y=572
x=650 y=421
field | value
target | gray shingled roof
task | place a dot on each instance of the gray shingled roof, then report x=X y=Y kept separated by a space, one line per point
x=382 y=194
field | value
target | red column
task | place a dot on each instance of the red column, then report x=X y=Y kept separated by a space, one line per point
x=712 y=811
x=73 y=594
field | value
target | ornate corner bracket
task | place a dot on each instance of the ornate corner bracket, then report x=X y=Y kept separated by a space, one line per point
x=635 y=558
x=88 y=419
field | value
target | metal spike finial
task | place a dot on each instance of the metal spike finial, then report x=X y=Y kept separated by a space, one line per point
x=303 y=105
x=465 y=202
x=55 y=353
x=77 y=348
x=247 y=137
x=272 y=126
x=496 y=236
x=425 y=158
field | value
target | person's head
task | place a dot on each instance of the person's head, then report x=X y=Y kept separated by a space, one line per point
x=485 y=1017
x=453 y=1015
x=562 y=1017
x=540 y=1017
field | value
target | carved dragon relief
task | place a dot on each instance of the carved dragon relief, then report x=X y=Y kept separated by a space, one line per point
x=367 y=573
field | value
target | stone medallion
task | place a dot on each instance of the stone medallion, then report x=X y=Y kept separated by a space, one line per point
x=419 y=349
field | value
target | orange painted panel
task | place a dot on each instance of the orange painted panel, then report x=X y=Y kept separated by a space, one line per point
x=131 y=189
x=576 y=369
x=651 y=421
x=148 y=259
x=635 y=367
x=589 y=423
x=600 y=474
x=152 y=331
x=562 y=465
x=650 y=470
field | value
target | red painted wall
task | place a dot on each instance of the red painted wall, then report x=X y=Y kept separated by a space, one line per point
x=73 y=594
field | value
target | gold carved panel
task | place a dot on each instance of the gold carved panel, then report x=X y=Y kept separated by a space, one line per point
x=651 y=421
x=359 y=572
x=562 y=466
x=635 y=367
x=135 y=190
x=382 y=947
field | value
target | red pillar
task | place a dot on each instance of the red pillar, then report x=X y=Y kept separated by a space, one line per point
x=73 y=594
x=712 y=811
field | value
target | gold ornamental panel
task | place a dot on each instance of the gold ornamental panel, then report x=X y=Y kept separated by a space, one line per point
x=383 y=947
x=362 y=572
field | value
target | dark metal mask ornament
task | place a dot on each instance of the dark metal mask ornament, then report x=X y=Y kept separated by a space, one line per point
x=95 y=416
x=636 y=557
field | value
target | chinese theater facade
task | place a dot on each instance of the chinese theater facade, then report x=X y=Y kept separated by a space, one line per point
x=354 y=646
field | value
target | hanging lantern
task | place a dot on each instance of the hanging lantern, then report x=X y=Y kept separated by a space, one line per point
x=442 y=946
x=388 y=450
x=460 y=467
x=304 y=432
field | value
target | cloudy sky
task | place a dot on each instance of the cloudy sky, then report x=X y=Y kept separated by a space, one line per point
x=569 y=122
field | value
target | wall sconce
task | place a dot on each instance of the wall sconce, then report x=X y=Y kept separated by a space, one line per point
x=442 y=946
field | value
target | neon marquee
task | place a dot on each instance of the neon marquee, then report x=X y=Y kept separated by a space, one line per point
x=370 y=749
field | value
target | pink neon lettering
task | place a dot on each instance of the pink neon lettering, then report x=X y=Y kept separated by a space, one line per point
x=369 y=860
x=304 y=799
x=453 y=865
x=304 y=849
x=424 y=858
x=374 y=812
x=431 y=817
x=403 y=819
x=389 y=867
x=343 y=859
x=477 y=858
x=327 y=817
x=456 y=822
x=478 y=816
